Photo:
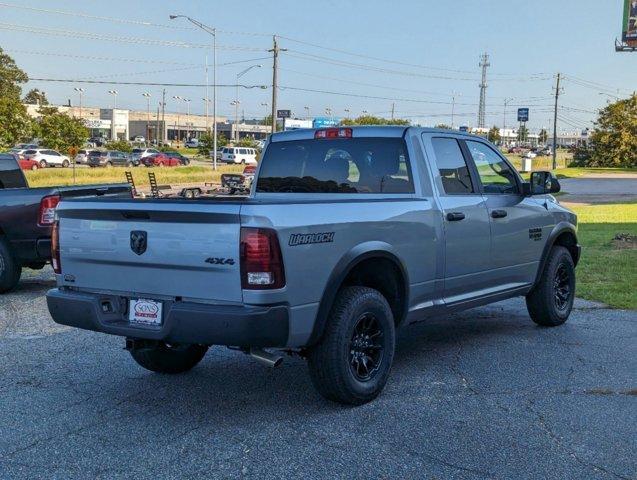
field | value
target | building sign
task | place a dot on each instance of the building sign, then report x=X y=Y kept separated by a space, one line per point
x=321 y=122
x=523 y=114
x=295 y=124
x=629 y=24
x=283 y=114
x=97 y=123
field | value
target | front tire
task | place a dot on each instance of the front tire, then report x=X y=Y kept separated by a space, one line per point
x=165 y=358
x=43 y=164
x=65 y=164
x=10 y=269
x=351 y=363
x=551 y=300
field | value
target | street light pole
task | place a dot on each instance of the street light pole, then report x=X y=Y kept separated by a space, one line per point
x=212 y=31
x=307 y=112
x=80 y=91
x=147 y=95
x=504 y=120
x=187 y=100
x=236 y=99
x=113 y=133
x=177 y=129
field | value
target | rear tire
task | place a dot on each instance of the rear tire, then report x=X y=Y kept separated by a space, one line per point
x=43 y=164
x=10 y=269
x=351 y=363
x=551 y=300
x=164 y=358
x=65 y=164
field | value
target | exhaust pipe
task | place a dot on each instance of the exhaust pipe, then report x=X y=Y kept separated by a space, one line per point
x=266 y=358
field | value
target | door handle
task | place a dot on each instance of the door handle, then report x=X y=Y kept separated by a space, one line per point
x=455 y=216
x=498 y=213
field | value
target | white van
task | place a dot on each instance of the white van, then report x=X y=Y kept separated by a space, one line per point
x=239 y=155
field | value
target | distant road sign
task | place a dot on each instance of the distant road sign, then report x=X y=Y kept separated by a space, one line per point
x=283 y=114
x=523 y=114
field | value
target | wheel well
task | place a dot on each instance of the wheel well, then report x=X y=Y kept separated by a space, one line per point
x=568 y=240
x=384 y=275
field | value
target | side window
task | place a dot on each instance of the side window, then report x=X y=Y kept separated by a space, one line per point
x=242 y=151
x=495 y=174
x=452 y=166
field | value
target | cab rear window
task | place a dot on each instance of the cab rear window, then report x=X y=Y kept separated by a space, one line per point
x=354 y=165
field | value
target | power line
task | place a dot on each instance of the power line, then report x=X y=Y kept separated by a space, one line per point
x=122 y=39
x=150 y=84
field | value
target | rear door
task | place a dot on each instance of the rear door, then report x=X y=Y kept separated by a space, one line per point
x=466 y=222
x=519 y=224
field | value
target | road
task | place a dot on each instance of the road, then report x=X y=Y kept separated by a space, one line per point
x=483 y=394
x=600 y=188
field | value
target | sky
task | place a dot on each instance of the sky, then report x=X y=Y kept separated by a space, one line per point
x=418 y=57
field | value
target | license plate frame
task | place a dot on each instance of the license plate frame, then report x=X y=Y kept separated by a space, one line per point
x=145 y=311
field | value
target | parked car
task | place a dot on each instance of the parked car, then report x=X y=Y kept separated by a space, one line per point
x=347 y=235
x=138 y=153
x=139 y=139
x=27 y=216
x=239 y=155
x=529 y=154
x=81 y=158
x=515 y=150
x=47 y=158
x=110 y=158
x=161 y=160
x=192 y=143
x=182 y=158
x=24 y=163
x=98 y=141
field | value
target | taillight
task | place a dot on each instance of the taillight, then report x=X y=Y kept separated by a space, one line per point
x=334 y=133
x=261 y=262
x=47 y=210
x=55 y=248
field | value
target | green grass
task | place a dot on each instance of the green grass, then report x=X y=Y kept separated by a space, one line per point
x=176 y=175
x=606 y=273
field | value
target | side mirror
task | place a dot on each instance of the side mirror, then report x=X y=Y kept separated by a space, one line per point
x=543 y=183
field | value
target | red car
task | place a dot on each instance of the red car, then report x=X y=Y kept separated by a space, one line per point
x=161 y=160
x=27 y=164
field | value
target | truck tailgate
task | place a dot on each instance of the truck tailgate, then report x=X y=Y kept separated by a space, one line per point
x=151 y=249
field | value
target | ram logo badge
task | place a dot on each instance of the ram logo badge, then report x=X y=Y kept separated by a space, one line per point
x=138 y=241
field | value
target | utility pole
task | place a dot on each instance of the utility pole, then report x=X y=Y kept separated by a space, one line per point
x=147 y=96
x=557 y=96
x=392 y=111
x=504 y=120
x=484 y=63
x=157 y=127
x=163 y=116
x=275 y=67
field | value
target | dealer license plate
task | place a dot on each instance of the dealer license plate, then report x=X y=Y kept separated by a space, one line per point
x=145 y=312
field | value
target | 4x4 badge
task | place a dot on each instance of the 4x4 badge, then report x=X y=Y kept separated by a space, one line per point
x=138 y=241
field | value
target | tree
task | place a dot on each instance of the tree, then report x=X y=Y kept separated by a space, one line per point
x=206 y=143
x=523 y=133
x=444 y=126
x=494 y=134
x=372 y=120
x=543 y=136
x=613 y=143
x=10 y=77
x=120 y=146
x=15 y=124
x=60 y=131
x=35 y=97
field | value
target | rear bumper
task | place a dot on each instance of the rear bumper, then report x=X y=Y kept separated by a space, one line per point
x=183 y=322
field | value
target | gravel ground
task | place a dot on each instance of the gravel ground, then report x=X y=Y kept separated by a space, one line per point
x=483 y=394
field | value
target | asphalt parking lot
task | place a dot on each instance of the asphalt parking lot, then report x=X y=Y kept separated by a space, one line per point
x=483 y=394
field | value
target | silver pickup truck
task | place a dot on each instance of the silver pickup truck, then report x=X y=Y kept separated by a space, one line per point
x=347 y=235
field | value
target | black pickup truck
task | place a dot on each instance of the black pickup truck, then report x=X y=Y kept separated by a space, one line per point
x=27 y=215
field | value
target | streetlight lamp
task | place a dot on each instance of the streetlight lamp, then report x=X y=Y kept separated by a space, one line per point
x=80 y=91
x=147 y=95
x=212 y=31
x=114 y=93
x=236 y=98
